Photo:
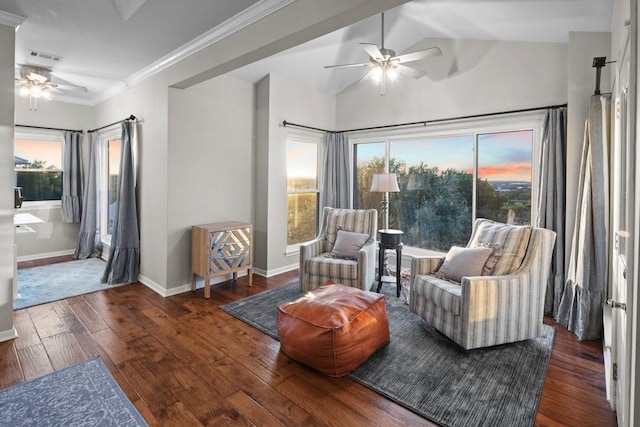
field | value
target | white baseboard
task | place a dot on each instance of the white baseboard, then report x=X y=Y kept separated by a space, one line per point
x=9 y=334
x=45 y=255
x=182 y=288
x=275 y=271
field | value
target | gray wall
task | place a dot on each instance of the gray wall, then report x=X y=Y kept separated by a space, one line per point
x=7 y=84
x=281 y=99
x=471 y=77
x=53 y=237
x=211 y=170
x=583 y=47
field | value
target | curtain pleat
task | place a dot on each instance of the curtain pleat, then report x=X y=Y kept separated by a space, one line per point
x=551 y=199
x=580 y=308
x=71 y=200
x=124 y=254
x=336 y=182
x=89 y=244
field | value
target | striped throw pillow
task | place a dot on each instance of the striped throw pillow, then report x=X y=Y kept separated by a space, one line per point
x=513 y=239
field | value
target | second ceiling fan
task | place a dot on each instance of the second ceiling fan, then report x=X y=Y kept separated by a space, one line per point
x=385 y=63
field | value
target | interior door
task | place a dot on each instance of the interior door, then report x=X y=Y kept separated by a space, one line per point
x=617 y=349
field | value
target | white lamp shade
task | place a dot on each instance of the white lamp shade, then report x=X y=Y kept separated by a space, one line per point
x=384 y=183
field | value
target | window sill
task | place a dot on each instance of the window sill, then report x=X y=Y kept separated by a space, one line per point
x=55 y=204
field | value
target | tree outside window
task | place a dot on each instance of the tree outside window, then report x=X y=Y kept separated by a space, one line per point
x=38 y=169
x=437 y=198
x=302 y=191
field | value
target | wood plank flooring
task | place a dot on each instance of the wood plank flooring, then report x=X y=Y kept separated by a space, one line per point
x=182 y=361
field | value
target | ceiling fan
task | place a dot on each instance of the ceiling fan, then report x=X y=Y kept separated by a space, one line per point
x=35 y=82
x=385 y=64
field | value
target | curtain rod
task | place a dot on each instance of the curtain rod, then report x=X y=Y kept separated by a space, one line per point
x=426 y=122
x=47 y=128
x=131 y=117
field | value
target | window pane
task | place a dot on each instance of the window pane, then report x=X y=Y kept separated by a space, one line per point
x=302 y=214
x=302 y=166
x=114 y=148
x=504 y=177
x=38 y=169
x=435 y=176
x=368 y=159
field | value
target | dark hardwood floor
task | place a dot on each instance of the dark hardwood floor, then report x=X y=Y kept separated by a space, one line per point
x=182 y=361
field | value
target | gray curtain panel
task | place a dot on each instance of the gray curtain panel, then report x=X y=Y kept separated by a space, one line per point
x=124 y=254
x=71 y=201
x=336 y=182
x=89 y=244
x=550 y=211
x=580 y=308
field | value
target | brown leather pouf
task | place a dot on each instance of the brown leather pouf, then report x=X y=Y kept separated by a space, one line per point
x=334 y=328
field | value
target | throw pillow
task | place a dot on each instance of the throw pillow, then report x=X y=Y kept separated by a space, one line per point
x=348 y=244
x=496 y=253
x=462 y=262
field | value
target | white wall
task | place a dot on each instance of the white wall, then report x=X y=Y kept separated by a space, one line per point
x=53 y=237
x=211 y=170
x=7 y=84
x=297 y=103
x=471 y=77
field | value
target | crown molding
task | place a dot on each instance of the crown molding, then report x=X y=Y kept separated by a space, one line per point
x=245 y=18
x=10 y=19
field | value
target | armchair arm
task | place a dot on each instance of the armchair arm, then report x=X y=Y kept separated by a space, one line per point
x=424 y=265
x=366 y=265
x=499 y=309
x=310 y=249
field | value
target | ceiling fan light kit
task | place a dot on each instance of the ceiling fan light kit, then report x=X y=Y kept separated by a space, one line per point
x=386 y=65
x=35 y=82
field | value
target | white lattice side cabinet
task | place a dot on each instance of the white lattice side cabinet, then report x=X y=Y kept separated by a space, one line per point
x=218 y=249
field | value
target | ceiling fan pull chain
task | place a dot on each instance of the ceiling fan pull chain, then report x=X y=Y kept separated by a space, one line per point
x=382 y=32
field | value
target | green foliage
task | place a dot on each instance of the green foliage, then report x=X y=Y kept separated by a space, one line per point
x=43 y=185
x=302 y=214
x=434 y=207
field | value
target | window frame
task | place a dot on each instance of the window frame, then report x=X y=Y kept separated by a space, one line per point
x=103 y=182
x=47 y=135
x=307 y=137
x=512 y=122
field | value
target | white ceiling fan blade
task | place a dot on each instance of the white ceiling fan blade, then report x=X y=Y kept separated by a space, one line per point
x=417 y=56
x=63 y=86
x=349 y=65
x=373 y=51
x=410 y=71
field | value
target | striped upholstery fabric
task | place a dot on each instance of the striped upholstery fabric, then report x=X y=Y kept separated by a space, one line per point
x=512 y=239
x=442 y=293
x=316 y=267
x=493 y=309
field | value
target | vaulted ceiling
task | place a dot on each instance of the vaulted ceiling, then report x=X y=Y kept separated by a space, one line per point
x=104 y=43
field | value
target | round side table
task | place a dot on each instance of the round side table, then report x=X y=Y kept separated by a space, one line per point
x=389 y=239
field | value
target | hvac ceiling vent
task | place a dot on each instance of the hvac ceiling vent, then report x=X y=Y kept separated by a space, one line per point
x=46 y=56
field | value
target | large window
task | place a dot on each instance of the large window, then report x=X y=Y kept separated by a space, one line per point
x=38 y=166
x=302 y=188
x=448 y=179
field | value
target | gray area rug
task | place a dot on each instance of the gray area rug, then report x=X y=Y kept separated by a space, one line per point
x=85 y=394
x=53 y=282
x=426 y=372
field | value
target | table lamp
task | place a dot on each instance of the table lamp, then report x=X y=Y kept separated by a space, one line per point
x=385 y=183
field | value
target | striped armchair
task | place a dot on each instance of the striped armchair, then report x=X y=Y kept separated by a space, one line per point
x=317 y=266
x=482 y=311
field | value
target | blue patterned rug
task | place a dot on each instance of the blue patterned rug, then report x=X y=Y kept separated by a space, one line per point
x=84 y=394
x=39 y=285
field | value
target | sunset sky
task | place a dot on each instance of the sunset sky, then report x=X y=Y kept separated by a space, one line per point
x=49 y=151
x=502 y=156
